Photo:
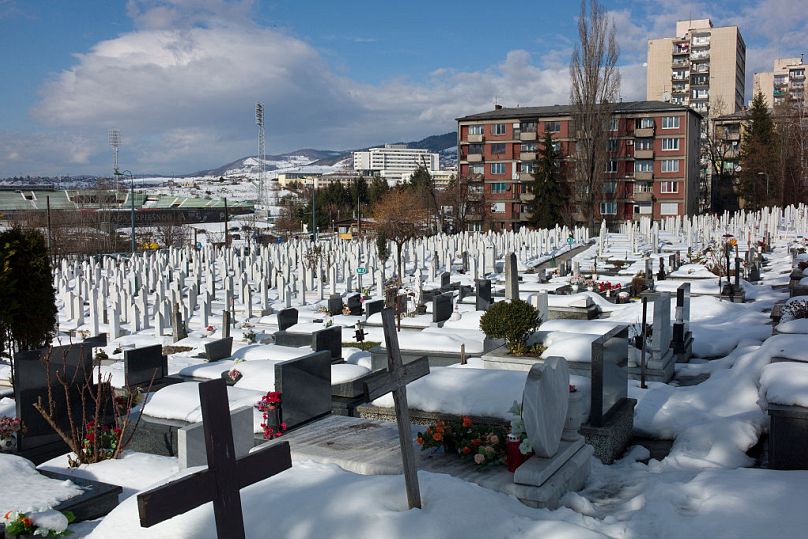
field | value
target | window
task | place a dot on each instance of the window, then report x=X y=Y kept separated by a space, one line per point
x=644 y=123
x=475 y=148
x=613 y=144
x=477 y=169
x=608 y=208
x=498 y=148
x=670 y=165
x=614 y=124
x=497 y=168
x=643 y=187
x=552 y=127
x=498 y=207
x=669 y=187
x=528 y=147
x=670 y=144
x=475 y=130
x=528 y=168
x=499 y=187
x=528 y=127
x=611 y=166
x=643 y=165
x=498 y=129
x=670 y=122
x=609 y=187
x=669 y=208
x=643 y=144
x=557 y=147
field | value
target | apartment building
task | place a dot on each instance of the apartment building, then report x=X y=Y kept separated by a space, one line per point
x=702 y=66
x=653 y=166
x=785 y=84
x=395 y=162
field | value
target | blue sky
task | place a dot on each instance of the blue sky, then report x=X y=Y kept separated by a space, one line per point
x=179 y=78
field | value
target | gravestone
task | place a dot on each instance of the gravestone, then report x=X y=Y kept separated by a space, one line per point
x=483 y=301
x=682 y=336
x=442 y=307
x=511 y=277
x=178 y=324
x=144 y=366
x=396 y=380
x=219 y=349
x=221 y=481
x=191 y=439
x=660 y=362
x=544 y=405
x=330 y=340
x=373 y=307
x=335 y=304
x=33 y=381
x=445 y=283
x=355 y=304
x=287 y=318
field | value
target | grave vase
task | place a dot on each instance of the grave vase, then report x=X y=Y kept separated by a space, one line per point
x=574 y=417
x=8 y=443
x=574 y=288
x=274 y=418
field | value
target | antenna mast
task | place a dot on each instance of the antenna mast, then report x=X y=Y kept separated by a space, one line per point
x=114 y=136
x=259 y=121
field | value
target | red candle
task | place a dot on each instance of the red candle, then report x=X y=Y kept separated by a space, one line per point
x=513 y=457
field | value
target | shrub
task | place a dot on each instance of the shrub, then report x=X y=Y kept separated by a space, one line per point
x=514 y=321
x=639 y=283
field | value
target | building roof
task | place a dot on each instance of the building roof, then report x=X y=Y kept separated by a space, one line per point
x=626 y=107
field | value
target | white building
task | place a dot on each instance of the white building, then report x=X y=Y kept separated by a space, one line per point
x=395 y=162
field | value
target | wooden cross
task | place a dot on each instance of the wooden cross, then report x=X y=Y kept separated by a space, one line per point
x=224 y=476
x=396 y=380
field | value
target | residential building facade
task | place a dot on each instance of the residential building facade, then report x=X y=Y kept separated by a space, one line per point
x=785 y=84
x=395 y=162
x=652 y=170
x=702 y=66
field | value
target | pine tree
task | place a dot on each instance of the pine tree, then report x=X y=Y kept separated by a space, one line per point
x=548 y=187
x=758 y=181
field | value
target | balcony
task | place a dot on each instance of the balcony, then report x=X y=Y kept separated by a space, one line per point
x=640 y=175
x=643 y=154
x=642 y=196
x=525 y=216
x=475 y=196
x=642 y=132
x=732 y=135
x=475 y=215
x=527 y=156
x=475 y=138
x=476 y=178
x=704 y=55
x=528 y=135
x=527 y=197
x=681 y=62
x=474 y=157
x=526 y=177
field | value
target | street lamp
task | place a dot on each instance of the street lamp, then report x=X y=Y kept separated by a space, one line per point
x=767 y=185
x=132 y=199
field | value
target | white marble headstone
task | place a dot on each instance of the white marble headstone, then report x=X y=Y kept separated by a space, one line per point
x=544 y=405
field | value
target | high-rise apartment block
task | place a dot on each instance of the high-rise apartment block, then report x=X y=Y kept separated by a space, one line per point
x=785 y=84
x=395 y=162
x=652 y=168
x=702 y=67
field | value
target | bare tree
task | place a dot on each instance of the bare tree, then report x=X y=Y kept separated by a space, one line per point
x=400 y=216
x=594 y=87
x=719 y=151
x=172 y=231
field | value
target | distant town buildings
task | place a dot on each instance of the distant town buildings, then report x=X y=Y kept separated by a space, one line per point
x=652 y=171
x=785 y=84
x=702 y=67
x=395 y=162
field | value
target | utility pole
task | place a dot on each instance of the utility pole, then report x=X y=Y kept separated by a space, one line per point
x=226 y=226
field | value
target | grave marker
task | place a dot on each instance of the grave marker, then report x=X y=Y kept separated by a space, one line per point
x=221 y=481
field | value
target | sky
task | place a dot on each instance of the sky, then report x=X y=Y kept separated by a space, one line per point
x=180 y=78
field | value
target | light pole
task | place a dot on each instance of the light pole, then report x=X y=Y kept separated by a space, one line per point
x=767 y=185
x=132 y=200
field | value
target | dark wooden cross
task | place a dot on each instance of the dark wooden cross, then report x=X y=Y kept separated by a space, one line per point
x=224 y=476
x=396 y=380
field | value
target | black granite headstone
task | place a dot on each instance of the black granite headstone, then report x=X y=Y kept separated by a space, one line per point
x=73 y=363
x=373 y=307
x=788 y=436
x=144 y=365
x=305 y=383
x=441 y=307
x=330 y=340
x=355 y=304
x=444 y=281
x=483 y=294
x=287 y=318
x=335 y=304
x=609 y=374
x=219 y=349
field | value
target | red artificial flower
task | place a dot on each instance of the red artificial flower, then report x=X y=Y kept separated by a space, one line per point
x=466 y=421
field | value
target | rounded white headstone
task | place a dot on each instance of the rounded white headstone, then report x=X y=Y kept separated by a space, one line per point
x=544 y=405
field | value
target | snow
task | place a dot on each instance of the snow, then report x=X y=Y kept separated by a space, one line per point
x=799 y=325
x=181 y=401
x=49 y=520
x=571 y=346
x=269 y=351
x=316 y=500
x=5 y=372
x=785 y=383
x=346 y=372
x=8 y=407
x=438 y=342
x=24 y=489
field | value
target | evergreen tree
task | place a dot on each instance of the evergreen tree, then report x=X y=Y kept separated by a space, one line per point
x=27 y=296
x=548 y=187
x=377 y=189
x=758 y=182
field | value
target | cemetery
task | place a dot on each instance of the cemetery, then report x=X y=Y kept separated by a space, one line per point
x=550 y=379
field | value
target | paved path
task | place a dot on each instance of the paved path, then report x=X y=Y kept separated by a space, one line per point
x=553 y=262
